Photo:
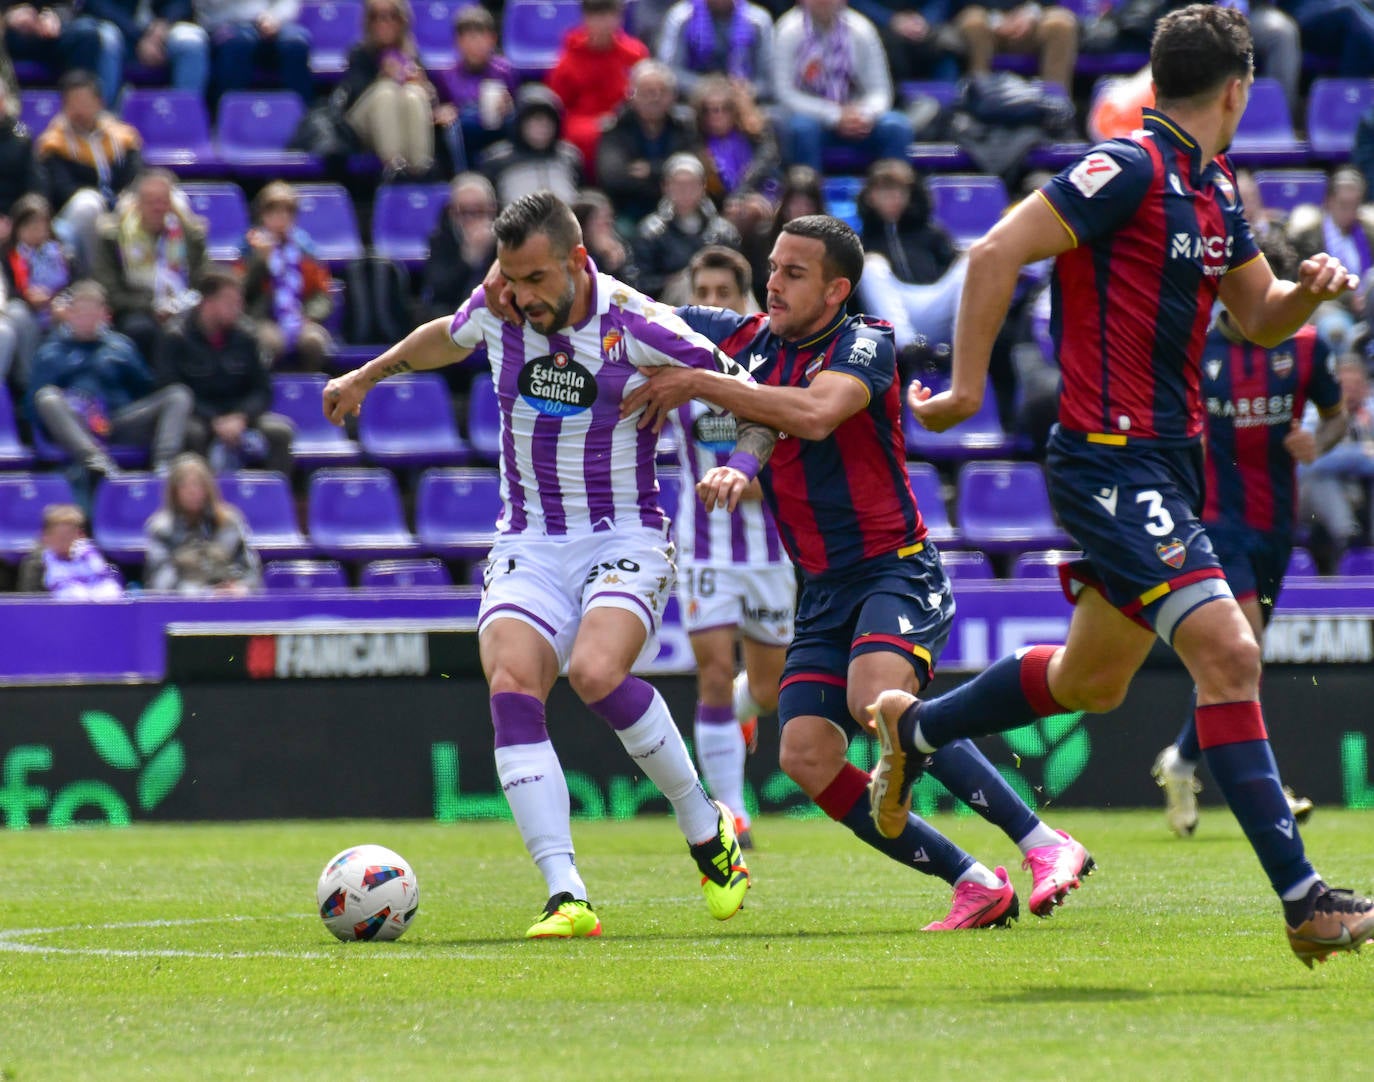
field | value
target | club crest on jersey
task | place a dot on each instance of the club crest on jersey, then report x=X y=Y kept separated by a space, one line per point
x=815 y=366
x=556 y=385
x=1213 y=368
x=611 y=345
x=1173 y=552
x=1226 y=189
x=715 y=431
x=1281 y=364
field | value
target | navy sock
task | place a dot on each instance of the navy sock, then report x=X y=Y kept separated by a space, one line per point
x=964 y=770
x=1186 y=743
x=1006 y=695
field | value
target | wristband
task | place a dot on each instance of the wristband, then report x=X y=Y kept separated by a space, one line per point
x=745 y=462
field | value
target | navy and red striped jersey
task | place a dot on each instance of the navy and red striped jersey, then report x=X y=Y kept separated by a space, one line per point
x=846 y=498
x=1252 y=396
x=1155 y=229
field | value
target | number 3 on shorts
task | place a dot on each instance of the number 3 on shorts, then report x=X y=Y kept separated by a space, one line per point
x=1161 y=523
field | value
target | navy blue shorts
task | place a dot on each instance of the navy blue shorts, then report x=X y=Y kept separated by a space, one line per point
x=1133 y=510
x=902 y=605
x=1255 y=562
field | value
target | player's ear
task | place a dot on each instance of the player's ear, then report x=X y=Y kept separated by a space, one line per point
x=837 y=290
x=577 y=259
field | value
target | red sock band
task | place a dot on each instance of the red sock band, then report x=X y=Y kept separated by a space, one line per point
x=839 y=797
x=1035 y=681
x=1229 y=723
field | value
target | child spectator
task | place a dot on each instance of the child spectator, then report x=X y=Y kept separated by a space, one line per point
x=65 y=563
x=197 y=543
x=36 y=270
x=535 y=157
x=478 y=91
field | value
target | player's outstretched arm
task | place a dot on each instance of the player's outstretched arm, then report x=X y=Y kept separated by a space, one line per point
x=428 y=346
x=725 y=486
x=1270 y=310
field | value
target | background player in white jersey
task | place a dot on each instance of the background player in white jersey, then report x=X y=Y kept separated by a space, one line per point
x=582 y=563
x=734 y=581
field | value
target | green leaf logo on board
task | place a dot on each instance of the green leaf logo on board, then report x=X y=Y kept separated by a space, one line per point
x=159 y=759
x=1063 y=744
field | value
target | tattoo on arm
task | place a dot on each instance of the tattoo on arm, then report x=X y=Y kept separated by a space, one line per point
x=755 y=439
x=395 y=368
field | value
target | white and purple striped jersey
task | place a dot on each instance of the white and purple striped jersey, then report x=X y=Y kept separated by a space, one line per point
x=569 y=464
x=745 y=538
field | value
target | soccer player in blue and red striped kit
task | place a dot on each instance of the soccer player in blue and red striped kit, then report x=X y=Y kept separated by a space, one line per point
x=1254 y=398
x=1146 y=233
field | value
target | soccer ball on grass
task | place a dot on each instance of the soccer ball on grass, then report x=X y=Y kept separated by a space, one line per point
x=367 y=892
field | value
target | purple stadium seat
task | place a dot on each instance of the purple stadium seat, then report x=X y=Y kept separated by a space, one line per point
x=1301 y=564
x=532 y=32
x=356 y=514
x=37 y=108
x=967 y=205
x=925 y=483
x=1042 y=565
x=1284 y=189
x=404 y=573
x=335 y=27
x=122 y=506
x=434 y=30
x=484 y=419
x=967 y=565
x=403 y=218
x=225 y=211
x=1357 y=563
x=1265 y=135
x=409 y=422
x=325 y=212
x=1005 y=507
x=298 y=398
x=254 y=129
x=841 y=196
x=456 y=512
x=176 y=130
x=22 y=499
x=264 y=497
x=303 y=574
x=13 y=453
x=981 y=436
x=1334 y=108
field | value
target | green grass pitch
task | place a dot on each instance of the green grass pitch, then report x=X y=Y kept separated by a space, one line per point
x=1170 y=962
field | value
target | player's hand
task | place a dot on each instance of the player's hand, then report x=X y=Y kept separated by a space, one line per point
x=664 y=389
x=722 y=486
x=343 y=397
x=937 y=412
x=1326 y=277
x=500 y=297
x=1300 y=443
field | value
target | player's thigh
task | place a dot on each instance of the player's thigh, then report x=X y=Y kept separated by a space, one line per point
x=714 y=650
x=1103 y=652
x=763 y=665
x=1218 y=645
x=812 y=752
x=526 y=583
x=517 y=657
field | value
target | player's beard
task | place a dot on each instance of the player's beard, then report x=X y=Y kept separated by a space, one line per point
x=558 y=314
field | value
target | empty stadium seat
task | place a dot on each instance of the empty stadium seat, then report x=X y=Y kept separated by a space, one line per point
x=254 y=130
x=1042 y=565
x=356 y=514
x=1334 y=108
x=325 y=212
x=299 y=398
x=433 y=29
x=37 y=108
x=1357 y=563
x=303 y=574
x=841 y=195
x=1265 y=135
x=22 y=499
x=13 y=453
x=175 y=126
x=966 y=204
x=122 y=506
x=456 y=511
x=335 y=27
x=413 y=572
x=981 y=436
x=403 y=218
x=409 y=422
x=484 y=419
x=225 y=211
x=1005 y=507
x=1301 y=564
x=1284 y=189
x=532 y=32
x=264 y=497
x=925 y=483
x=967 y=565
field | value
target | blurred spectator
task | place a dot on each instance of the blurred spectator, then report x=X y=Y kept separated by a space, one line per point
x=90 y=388
x=211 y=351
x=385 y=95
x=9 y=82
x=160 y=34
x=919 y=42
x=248 y=36
x=737 y=144
x=66 y=563
x=611 y=252
x=462 y=246
x=197 y=543
x=1362 y=156
x=759 y=221
x=43 y=36
x=16 y=157
x=1338 y=30
x=685 y=222
x=36 y=270
x=833 y=85
x=989 y=27
x=1333 y=492
x=285 y=288
x=1263 y=220
x=150 y=258
x=592 y=76
x=1345 y=232
x=912 y=273
x=478 y=91
x=645 y=135
x=536 y=156
x=733 y=38
x=84 y=159
x=720 y=278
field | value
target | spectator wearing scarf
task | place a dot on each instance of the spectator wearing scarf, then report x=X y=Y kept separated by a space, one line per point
x=65 y=563
x=733 y=38
x=737 y=144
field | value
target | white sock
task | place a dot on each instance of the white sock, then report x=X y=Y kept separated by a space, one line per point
x=720 y=751
x=656 y=746
x=1292 y=894
x=745 y=706
x=537 y=792
x=982 y=875
x=1039 y=837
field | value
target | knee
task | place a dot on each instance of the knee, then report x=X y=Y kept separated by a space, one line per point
x=593 y=678
x=1059 y=24
x=894 y=128
x=811 y=767
x=505 y=679
x=293 y=41
x=180 y=399
x=187 y=38
x=48 y=397
x=974 y=22
x=715 y=682
x=1234 y=666
x=1093 y=693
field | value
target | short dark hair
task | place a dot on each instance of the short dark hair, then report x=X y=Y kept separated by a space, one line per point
x=718 y=257
x=475 y=18
x=601 y=7
x=844 y=252
x=217 y=279
x=1199 y=48
x=79 y=79
x=538 y=212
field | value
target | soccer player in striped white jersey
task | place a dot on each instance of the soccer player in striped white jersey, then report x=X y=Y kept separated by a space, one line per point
x=582 y=562
x=734 y=581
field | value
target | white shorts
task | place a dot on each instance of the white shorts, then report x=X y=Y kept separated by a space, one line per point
x=550 y=583
x=759 y=601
